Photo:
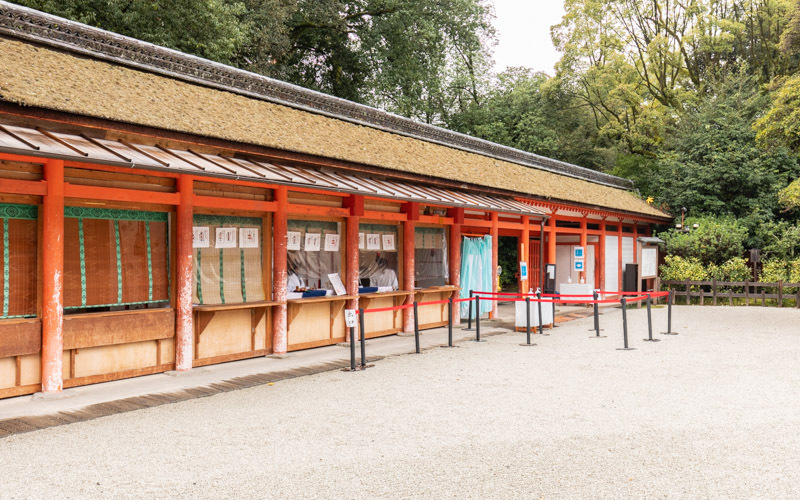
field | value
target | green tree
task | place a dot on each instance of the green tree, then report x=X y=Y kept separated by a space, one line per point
x=714 y=241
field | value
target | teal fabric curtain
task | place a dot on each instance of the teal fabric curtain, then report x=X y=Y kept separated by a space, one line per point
x=476 y=271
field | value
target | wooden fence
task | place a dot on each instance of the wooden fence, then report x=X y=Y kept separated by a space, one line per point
x=727 y=291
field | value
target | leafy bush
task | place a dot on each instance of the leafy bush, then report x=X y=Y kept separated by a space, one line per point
x=735 y=269
x=681 y=269
x=716 y=240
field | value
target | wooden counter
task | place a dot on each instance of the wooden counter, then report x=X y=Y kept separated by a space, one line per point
x=227 y=332
x=316 y=321
x=382 y=323
x=434 y=316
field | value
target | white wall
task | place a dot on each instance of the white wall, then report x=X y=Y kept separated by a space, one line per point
x=612 y=269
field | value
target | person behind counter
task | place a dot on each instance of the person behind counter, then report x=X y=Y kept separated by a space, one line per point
x=384 y=276
x=293 y=280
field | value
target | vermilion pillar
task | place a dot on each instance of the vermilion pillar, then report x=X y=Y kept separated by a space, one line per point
x=619 y=254
x=409 y=225
x=551 y=241
x=601 y=281
x=583 y=243
x=279 y=227
x=495 y=252
x=53 y=271
x=356 y=205
x=635 y=243
x=524 y=255
x=455 y=255
x=183 y=329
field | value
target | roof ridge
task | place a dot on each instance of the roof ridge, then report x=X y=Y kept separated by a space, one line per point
x=32 y=25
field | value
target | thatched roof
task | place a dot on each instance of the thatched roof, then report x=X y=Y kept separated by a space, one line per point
x=34 y=75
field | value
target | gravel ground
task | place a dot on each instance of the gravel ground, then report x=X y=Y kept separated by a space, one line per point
x=712 y=412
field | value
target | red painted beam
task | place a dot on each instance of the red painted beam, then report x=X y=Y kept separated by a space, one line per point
x=389 y=216
x=295 y=209
x=235 y=203
x=117 y=194
x=14 y=186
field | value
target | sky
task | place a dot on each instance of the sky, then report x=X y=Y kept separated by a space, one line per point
x=523 y=28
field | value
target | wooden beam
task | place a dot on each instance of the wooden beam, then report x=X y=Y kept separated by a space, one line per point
x=234 y=203
x=409 y=228
x=14 y=186
x=117 y=194
x=388 y=216
x=297 y=209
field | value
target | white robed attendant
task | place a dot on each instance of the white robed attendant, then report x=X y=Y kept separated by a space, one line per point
x=384 y=276
x=293 y=282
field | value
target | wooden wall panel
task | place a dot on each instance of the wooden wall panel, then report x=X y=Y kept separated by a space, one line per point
x=8 y=372
x=31 y=369
x=114 y=358
x=110 y=328
x=20 y=337
x=228 y=332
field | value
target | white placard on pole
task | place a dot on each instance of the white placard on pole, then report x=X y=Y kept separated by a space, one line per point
x=350 y=318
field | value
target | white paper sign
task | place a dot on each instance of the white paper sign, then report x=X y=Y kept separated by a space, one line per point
x=362 y=241
x=373 y=242
x=293 y=240
x=649 y=262
x=200 y=237
x=226 y=237
x=331 y=242
x=350 y=318
x=338 y=286
x=577 y=252
x=388 y=242
x=523 y=270
x=312 y=242
x=248 y=237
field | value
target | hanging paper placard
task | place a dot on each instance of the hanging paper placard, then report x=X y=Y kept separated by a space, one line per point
x=373 y=242
x=248 y=237
x=312 y=242
x=293 y=240
x=200 y=237
x=388 y=242
x=226 y=237
x=331 y=242
x=338 y=286
x=362 y=241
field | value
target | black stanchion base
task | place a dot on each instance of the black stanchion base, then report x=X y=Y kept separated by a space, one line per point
x=543 y=334
x=448 y=346
x=593 y=330
x=476 y=340
x=669 y=333
x=467 y=329
x=598 y=337
x=528 y=345
x=652 y=340
x=626 y=348
x=364 y=367
x=358 y=369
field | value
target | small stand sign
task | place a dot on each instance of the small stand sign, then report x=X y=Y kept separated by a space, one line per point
x=350 y=318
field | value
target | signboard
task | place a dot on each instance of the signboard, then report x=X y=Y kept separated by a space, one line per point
x=578 y=252
x=362 y=241
x=388 y=242
x=293 y=240
x=338 y=286
x=226 y=237
x=649 y=262
x=331 y=242
x=200 y=237
x=373 y=242
x=577 y=265
x=248 y=237
x=350 y=318
x=523 y=270
x=312 y=242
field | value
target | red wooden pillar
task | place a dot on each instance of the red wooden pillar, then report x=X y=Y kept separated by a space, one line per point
x=525 y=252
x=584 y=243
x=495 y=253
x=184 y=332
x=409 y=225
x=635 y=235
x=551 y=240
x=356 y=205
x=455 y=255
x=619 y=254
x=279 y=227
x=53 y=272
x=601 y=280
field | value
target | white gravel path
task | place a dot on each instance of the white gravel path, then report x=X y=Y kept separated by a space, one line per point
x=712 y=412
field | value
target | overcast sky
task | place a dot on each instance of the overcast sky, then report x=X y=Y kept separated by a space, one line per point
x=523 y=29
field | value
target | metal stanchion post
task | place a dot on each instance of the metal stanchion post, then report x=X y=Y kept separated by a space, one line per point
x=624 y=304
x=650 y=323
x=528 y=322
x=596 y=328
x=416 y=327
x=670 y=299
x=539 y=306
x=363 y=336
x=469 y=314
x=352 y=351
x=450 y=322
x=478 y=319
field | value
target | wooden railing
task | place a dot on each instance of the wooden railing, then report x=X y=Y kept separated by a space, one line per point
x=732 y=292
